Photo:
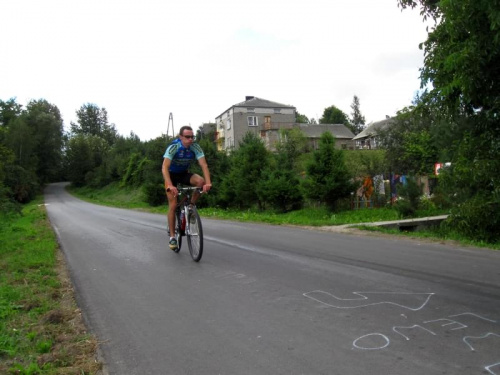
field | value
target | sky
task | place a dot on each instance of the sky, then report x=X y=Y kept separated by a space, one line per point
x=142 y=60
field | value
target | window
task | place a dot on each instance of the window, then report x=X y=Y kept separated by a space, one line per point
x=228 y=124
x=251 y=110
x=253 y=121
x=277 y=110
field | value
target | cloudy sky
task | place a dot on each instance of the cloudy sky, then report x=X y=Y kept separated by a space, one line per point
x=142 y=60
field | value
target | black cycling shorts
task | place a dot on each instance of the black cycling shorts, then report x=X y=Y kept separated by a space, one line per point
x=183 y=178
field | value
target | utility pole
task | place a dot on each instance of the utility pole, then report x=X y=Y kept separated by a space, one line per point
x=171 y=120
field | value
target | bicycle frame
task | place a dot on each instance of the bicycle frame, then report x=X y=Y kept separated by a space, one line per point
x=193 y=228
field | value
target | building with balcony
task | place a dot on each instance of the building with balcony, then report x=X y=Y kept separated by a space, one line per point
x=266 y=118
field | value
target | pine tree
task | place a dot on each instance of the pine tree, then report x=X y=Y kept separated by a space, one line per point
x=328 y=179
x=357 y=119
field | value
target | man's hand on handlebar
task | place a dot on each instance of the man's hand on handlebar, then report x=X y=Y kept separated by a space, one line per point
x=172 y=189
x=206 y=188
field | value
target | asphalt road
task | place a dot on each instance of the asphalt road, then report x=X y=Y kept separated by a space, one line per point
x=276 y=300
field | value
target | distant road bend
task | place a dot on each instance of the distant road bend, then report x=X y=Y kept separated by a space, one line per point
x=275 y=299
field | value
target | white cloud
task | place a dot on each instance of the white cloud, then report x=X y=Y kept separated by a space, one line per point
x=143 y=60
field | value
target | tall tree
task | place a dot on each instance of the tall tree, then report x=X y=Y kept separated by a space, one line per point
x=328 y=180
x=333 y=115
x=301 y=119
x=248 y=162
x=47 y=127
x=85 y=155
x=462 y=65
x=357 y=119
x=9 y=110
x=93 y=120
x=462 y=53
x=280 y=183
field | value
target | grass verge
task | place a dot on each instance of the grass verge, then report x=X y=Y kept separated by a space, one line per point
x=41 y=328
x=114 y=196
x=433 y=234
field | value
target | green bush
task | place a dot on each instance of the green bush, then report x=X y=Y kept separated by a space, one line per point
x=409 y=198
x=154 y=194
x=280 y=189
x=22 y=183
x=477 y=219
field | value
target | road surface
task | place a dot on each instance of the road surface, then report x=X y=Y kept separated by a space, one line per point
x=276 y=300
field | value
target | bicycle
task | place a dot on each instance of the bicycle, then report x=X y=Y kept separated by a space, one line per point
x=188 y=223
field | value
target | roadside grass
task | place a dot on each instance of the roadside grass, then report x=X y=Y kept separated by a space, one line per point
x=132 y=198
x=41 y=329
x=433 y=233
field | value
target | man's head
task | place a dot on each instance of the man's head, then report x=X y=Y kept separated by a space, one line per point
x=186 y=135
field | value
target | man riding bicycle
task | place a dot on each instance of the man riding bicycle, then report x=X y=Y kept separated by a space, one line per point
x=175 y=169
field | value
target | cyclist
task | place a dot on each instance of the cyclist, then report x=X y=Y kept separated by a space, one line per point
x=175 y=169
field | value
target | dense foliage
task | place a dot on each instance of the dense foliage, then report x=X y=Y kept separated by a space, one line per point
x=334 y=115
x=328 y=180
x=31 y=150
x=462 y=66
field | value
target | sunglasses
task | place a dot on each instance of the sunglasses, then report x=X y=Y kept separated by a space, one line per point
x=189 y=136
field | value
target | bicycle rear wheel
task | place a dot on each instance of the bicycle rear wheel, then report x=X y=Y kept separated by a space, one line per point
x=178 y=234
x=194 y=234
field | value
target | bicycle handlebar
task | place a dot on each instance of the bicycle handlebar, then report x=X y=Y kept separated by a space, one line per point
x=184 y=189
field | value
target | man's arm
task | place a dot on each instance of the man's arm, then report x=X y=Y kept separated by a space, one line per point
x=166 y=176
x=206 y=174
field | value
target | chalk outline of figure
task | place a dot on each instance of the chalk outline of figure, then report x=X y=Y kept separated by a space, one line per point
x=478 y=337
x=487 y=368
x=363 y=297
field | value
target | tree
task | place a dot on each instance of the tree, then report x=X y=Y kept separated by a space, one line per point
x=218 y=163
x=93 y=120
x=301 y=119
x=292 y=144
x=462 y=65
x=410 y=142
x=462 y=53
x=328 y=180
x=357 y=119
x=84 y=154
x=8 y=111
x=280 y=183
x=46 y=124
x=239 y=187
x=333 y=115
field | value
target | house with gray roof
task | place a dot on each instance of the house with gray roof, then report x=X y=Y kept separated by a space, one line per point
x=266 y=118
x=343 y=135
x=252 y=115
x=368 y=138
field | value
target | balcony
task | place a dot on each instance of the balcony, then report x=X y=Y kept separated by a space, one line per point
x=276 y=125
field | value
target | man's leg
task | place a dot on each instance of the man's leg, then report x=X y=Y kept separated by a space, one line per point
x=197 y=181
x=172 y=205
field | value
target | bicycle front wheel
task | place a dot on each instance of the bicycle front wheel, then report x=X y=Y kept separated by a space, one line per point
x=178 y=232
x=194 y=234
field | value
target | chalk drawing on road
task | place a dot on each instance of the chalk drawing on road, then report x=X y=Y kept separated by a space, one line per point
x=467 y=338
x=385 y=344
x=475 y=315
x=397 y=329
x=400 y=330
x=488 y=368
x=451 y=322
x=414 y=301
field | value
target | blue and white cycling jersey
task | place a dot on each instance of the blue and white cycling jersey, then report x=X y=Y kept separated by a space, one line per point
x=181 y=156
